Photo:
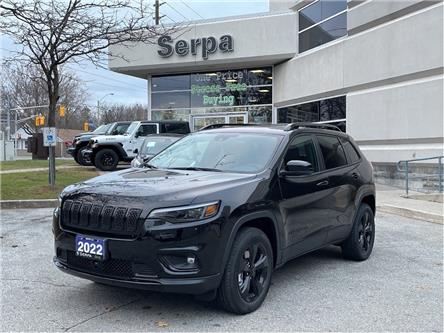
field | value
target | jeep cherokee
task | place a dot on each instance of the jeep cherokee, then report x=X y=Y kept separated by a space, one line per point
x=216 y=212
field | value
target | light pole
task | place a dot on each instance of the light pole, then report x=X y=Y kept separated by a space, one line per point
x=98 y=103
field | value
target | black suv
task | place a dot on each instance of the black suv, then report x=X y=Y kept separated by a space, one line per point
x=217 y=211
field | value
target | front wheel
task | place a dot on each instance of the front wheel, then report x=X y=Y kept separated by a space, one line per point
x=106 y=160
x=247 y=276
x=359 y=244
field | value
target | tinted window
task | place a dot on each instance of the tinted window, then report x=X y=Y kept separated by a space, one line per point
x=323 y=110
x=323 y=33
x=170 y=100
x=320 y=10
x=172 y=82
x=147 y=129
x=331 y=151
x=310 y=15
x=180 y=128
x=352 y=154
x=302 y=148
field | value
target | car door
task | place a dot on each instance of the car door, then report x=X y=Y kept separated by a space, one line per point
x=340 y=185
x=140 y=134
x=304 y=199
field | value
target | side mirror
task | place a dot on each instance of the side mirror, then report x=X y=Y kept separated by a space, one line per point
x=136 y=151
x=297 y=168
x=137 y=135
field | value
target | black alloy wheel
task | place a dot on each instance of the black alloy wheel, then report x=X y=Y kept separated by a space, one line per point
x=106 y=159
x=359 y=244
x=247 y=276
x=253 y=270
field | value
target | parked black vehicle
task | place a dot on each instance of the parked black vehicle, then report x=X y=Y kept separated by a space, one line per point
x=107 y=151
x=151 y=146
x=80 y=141
x=216 y=212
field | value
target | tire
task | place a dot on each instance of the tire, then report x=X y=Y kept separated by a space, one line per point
x=79 y=158
x=243 y=288
x=359 y=244
x=106 y=159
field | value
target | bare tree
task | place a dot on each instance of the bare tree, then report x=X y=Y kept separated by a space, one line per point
x=122 y=112
x=24 y=86
x=54 y=32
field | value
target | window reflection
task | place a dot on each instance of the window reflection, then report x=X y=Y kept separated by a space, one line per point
x=318 y=111
x=312 y=32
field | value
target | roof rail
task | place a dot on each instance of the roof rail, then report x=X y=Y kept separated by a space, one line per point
x=294 y=126
x=212 y=126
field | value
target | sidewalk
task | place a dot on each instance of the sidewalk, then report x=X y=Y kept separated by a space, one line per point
x=391 y=200
x=37 y=169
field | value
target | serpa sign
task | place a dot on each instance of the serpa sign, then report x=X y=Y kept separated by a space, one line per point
x=208 y=45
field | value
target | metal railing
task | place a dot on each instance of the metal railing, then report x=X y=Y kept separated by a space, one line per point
x=405 y=163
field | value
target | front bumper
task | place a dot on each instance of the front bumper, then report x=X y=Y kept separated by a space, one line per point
x=86 y=155
x=155 y=261
x=195 y=286
x=70 y=151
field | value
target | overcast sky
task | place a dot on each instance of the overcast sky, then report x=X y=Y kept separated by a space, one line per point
x=126 y=89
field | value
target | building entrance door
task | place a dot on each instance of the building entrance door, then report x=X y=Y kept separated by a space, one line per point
x=198 y=121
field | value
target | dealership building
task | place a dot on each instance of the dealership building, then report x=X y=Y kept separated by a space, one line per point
x=372 y=67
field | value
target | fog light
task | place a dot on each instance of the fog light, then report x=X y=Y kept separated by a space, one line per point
x=190 y=260
x=180 y=263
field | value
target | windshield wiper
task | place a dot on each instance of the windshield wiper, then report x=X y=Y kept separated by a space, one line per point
x=197 y=169
x=146 y=164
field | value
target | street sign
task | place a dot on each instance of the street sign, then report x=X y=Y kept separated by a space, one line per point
x=49 y=136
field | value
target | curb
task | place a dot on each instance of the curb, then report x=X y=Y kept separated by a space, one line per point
x=37 y=203
x=411 y=213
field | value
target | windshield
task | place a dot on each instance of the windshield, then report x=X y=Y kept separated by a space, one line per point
x=131 y=128
x=101 y=129
x=231 y=152
x=154 y=145
x=119 y=129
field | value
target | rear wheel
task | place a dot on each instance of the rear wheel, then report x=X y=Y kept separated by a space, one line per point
x=359 y=244
x=247 y=276
x=106 y=159
x=79 y=157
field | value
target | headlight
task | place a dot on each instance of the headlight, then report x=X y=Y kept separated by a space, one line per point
x=186 y=213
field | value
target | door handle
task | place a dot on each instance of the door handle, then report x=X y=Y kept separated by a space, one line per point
x=323 y=183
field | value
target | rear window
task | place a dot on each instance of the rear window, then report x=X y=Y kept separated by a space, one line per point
x=350 y=151
x=332 y=151
x=178 y=128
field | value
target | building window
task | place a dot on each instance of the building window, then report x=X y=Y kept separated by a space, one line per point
x=242 y=90
x=321 y=22
x=330 y=111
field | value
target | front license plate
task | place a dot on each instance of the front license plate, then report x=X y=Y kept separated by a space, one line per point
x=91 y=248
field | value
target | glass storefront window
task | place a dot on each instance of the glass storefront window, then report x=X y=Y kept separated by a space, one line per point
x=218 y=91
x=170 y=82
x=331 y=110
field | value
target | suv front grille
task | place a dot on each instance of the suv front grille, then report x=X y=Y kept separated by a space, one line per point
x=103 y=220
x=110 y=267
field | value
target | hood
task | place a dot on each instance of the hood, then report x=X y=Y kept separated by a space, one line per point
x=163 y=186
x=110 y=138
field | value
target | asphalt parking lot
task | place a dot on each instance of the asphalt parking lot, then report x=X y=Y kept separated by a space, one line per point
x=398 y=289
